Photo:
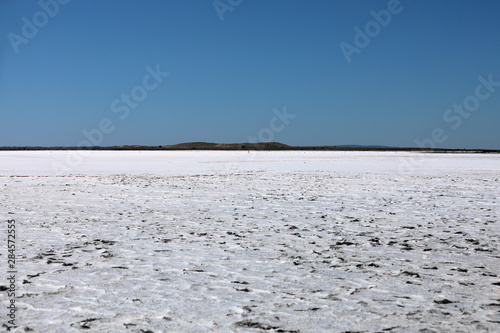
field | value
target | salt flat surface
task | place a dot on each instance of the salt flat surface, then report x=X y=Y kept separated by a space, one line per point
x=254 y=242
x=44 y=163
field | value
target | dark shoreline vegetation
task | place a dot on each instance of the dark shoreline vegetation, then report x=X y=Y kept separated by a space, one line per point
x=269 y=146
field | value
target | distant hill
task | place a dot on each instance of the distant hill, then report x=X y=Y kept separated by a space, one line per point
x=276 y=146
x=228 y=146
x=363 y=146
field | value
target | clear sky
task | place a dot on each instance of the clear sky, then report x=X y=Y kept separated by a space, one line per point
x=316 y=72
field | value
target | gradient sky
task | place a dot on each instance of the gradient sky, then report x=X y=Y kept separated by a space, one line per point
x=227 y=76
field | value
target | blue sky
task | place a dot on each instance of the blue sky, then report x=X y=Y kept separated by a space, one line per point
x=67 y=67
